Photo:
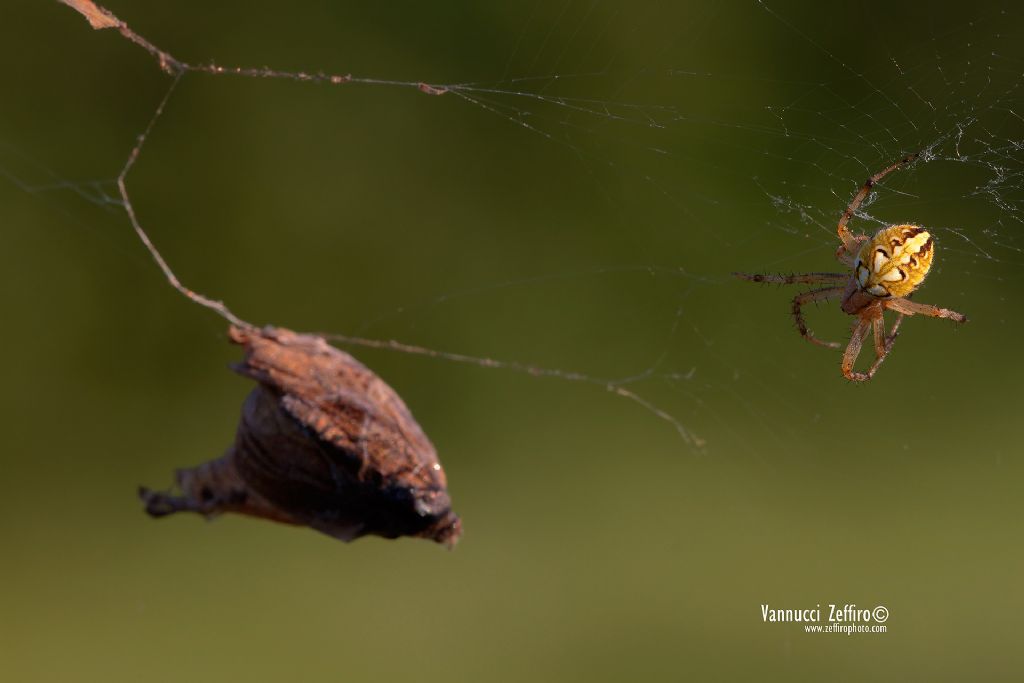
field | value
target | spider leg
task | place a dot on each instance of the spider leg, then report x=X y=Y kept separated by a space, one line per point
x=806 y=298
x=895 y=329
x=860 y=330
x=795 y=279
x=849 y=241
x=907 y=307
x=845 y=256
x=878 y=327
x=883 y=344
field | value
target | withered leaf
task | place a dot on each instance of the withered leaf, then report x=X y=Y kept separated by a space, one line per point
x=322 y=442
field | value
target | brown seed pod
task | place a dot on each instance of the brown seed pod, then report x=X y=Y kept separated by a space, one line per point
x=322 y=442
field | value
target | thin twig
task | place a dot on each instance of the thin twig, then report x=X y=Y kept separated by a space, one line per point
x=217 y=306
x=101 y=18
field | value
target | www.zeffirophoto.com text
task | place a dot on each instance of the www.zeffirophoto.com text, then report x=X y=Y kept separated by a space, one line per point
x=847 y=619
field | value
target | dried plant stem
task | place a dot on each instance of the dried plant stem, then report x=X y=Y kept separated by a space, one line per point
x=101 y=18
x=216 y=306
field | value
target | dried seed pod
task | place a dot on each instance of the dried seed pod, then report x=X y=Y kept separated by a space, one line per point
x=322 y=442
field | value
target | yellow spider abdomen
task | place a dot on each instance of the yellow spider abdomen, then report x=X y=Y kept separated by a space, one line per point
x=895 y=261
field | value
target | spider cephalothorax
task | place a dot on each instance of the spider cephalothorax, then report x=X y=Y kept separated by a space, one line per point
x=886 y=269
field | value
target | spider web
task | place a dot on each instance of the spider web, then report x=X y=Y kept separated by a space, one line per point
x=952 y=92
x=692 y=157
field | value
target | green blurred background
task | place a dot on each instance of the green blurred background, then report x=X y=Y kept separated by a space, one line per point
x=590 y=235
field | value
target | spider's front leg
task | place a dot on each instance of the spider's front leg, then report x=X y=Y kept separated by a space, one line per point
x=904 y=306
x=860 y=330
x=849 y=240
x=795 y=278
x=847 y=254
x=883 y=344
x=807 y=297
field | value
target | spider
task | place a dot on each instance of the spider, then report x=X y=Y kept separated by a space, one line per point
x=887 y=268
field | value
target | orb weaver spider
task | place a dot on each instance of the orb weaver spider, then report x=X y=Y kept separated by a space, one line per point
x=886 y=269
